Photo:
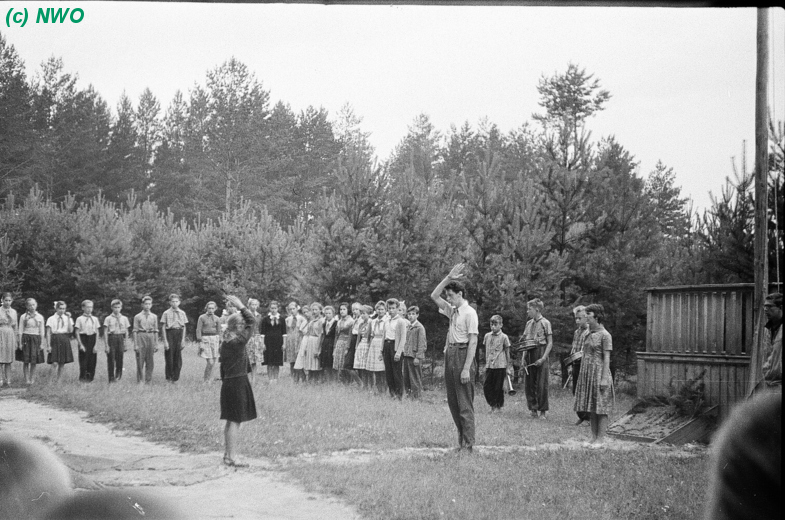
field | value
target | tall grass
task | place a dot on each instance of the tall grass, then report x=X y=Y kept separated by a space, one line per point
x=298 y=419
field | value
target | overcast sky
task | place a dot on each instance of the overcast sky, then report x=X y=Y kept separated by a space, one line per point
x=682 y=80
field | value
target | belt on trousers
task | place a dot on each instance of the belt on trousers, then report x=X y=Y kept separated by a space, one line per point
x=147 y=331
x=209 y=333
x=117 y=333
x=457 y=344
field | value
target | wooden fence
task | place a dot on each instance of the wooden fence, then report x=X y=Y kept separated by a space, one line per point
x=694 y=328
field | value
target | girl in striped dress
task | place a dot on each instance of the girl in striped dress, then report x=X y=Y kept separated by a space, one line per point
x=363 y=340
x=294 y=322
x=308 y=359
x=374 y=362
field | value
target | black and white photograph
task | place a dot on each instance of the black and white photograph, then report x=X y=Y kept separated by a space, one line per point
x=405 y=260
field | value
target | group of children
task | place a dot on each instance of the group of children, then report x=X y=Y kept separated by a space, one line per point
x=368 y=346
x=32 y=340
x=363 y=345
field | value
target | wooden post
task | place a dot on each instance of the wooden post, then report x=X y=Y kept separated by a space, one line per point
x=761 y=195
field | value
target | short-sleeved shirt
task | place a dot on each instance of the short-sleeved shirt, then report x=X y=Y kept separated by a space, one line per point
x=88 y=325
x=115 y=325
x=495 y=346
x=60 y=324
x=145 y=322
x=537 y=332
x=463 y=321
x=174 y=319
x=31 y=325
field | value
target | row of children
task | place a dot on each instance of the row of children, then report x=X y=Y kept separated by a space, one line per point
x=32 y=340
x=369 y=346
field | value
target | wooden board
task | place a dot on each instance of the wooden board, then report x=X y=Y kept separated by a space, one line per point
x=659 y=424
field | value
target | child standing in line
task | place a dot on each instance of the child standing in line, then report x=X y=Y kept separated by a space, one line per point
x=8 y=338
x=208 y=331
x=273 y=328
x=413 y=354
x=312 y=339
x=350 y=374
x=374 y=361
x=343 y=336
x=392 y=349
x=145 y=341
x=300 y=362
x=363 y=326
x=294 y=322
x=59 y=328
x=327 y=347
x=87 y=330
x=115 y=338
x=31 y=331
x=538 y=334
x=254 y=349
x=498 y=363
x=173 y=322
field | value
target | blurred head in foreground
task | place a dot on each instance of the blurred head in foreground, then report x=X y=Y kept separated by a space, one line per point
x=117 y=504
x=32 y=478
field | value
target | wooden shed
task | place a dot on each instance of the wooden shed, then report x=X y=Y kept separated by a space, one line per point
x=694 y=328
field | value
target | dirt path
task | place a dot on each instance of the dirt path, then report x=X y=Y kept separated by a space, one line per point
x=203 y=487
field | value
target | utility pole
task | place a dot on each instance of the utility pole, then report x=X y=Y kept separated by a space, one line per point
x=761 y=196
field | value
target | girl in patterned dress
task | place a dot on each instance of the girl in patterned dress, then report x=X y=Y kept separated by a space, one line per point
x=299 y=363
x=328 y=344
x=294 y=322
x=592 y=394
x=8 y=341
x=343 y=336
x=255 y=347
x=308 y=359
x=374 y=361
x=363 y=342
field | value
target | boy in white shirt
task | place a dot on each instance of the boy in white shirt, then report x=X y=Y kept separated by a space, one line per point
x=115 y=338
x=87 y=329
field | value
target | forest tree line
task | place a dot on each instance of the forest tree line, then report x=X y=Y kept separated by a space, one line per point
x=222 y=191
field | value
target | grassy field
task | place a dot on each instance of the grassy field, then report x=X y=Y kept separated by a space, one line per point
x=320 y=419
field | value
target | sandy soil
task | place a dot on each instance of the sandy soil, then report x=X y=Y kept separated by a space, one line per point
x=199 y=484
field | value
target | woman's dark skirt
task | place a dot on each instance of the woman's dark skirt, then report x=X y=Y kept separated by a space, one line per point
x=61 y=349
x=273 y=355
x=31 y=349
x=348 y=361
x=237 y=401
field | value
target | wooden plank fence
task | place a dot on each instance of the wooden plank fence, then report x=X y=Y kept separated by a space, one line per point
x=694 y=328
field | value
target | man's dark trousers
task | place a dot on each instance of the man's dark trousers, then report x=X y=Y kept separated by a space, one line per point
x=87 y=359
x=392 y=369
x=114 y=358
x=576 y=370
x=460 y=396
x=173 y=357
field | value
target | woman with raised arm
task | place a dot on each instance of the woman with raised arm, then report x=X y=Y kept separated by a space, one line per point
x=237 y=401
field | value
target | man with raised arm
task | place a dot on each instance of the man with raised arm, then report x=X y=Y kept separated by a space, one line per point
x=461 y=344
